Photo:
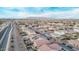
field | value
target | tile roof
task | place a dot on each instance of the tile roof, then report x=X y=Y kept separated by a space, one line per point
x=45 y=47
x=41 y=42
x=55 y=46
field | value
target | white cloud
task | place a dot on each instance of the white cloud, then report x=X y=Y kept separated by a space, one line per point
x=58 y=14
x=63 y=14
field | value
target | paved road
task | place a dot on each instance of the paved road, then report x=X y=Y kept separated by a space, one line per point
x=4 y=37
x=66 y=48
x=2 y=32
x=38 y=32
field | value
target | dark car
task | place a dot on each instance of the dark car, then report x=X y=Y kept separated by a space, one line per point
x=23 y=34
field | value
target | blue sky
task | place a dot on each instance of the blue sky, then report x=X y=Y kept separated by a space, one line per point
x=51 y=12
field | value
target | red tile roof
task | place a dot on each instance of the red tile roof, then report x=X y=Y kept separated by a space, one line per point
x=55 y=46
x=41 y=42
x=45 y=48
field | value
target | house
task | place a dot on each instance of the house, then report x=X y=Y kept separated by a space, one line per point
x=40 y=42
x=45 y=47
x=55 y=46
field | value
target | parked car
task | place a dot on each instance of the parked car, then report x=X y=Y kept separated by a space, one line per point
x=23 y=33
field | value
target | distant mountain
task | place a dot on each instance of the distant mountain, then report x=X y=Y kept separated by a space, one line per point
x=36 y=18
